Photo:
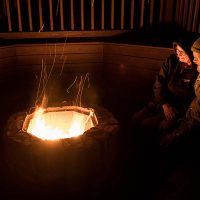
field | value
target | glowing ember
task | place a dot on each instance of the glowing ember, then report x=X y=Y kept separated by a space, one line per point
x=59 y=123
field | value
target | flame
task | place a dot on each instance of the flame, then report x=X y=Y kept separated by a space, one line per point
x=58 y=125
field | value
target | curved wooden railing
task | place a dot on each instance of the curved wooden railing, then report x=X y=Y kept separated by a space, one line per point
x=55 y=18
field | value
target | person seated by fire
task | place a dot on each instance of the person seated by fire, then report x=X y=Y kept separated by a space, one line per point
x=173 y=93
x=190 y=124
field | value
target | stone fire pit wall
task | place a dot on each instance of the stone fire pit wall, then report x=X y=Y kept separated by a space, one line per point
x=74 y=164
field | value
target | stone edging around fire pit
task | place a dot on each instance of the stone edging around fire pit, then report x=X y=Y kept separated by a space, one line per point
x=107 y=124
x=75 y=164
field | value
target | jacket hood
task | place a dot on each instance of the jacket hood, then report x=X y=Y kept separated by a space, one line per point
x=185 y=41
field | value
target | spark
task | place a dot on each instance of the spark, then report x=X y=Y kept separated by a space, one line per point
x=71 y=85
x=41 y=27
x=43 y=78
x=80 y=89
x=46 y=80
x=62 y=56
x=81 y=85
x=46 y=74
x=64 y=46
x=63 y=65
x=57 y=7
x=41 y=73
x=89 y=117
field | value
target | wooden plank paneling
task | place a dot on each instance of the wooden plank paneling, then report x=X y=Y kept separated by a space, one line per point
x=109 y=65
x=143 y=63
x=7 y=52
x=130 y=73
x=7 y=65
x=50 y=59
x=68 y=67
x=158 y=53
x=8 y=61
x=83 y=54
x=60 y=49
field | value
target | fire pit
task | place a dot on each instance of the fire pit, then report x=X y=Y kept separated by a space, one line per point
x=72 y=163
x=59 y=122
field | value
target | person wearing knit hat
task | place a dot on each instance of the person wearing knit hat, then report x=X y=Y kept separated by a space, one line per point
x=196 y=53
x=191 y=122
x=196 y=46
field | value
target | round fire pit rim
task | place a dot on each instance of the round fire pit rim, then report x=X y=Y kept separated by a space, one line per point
x=60 y=109
x=107 y=125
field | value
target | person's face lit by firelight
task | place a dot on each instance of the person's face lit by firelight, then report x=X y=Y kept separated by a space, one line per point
x=182 y=55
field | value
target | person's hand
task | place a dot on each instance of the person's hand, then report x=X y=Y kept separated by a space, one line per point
x=169 y=111
x=168 y=139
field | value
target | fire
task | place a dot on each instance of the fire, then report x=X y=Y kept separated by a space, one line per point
x=59 y=123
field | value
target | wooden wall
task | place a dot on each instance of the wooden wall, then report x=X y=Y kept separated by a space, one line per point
x=131 y=71
x=119 y=73
x=7 y=59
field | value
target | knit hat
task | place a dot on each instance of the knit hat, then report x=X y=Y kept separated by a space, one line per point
x=196 y=46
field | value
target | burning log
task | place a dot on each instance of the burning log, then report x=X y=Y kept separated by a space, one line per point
x=72 y=164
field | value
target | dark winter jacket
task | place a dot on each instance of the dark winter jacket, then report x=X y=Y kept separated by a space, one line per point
x=175 y=81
